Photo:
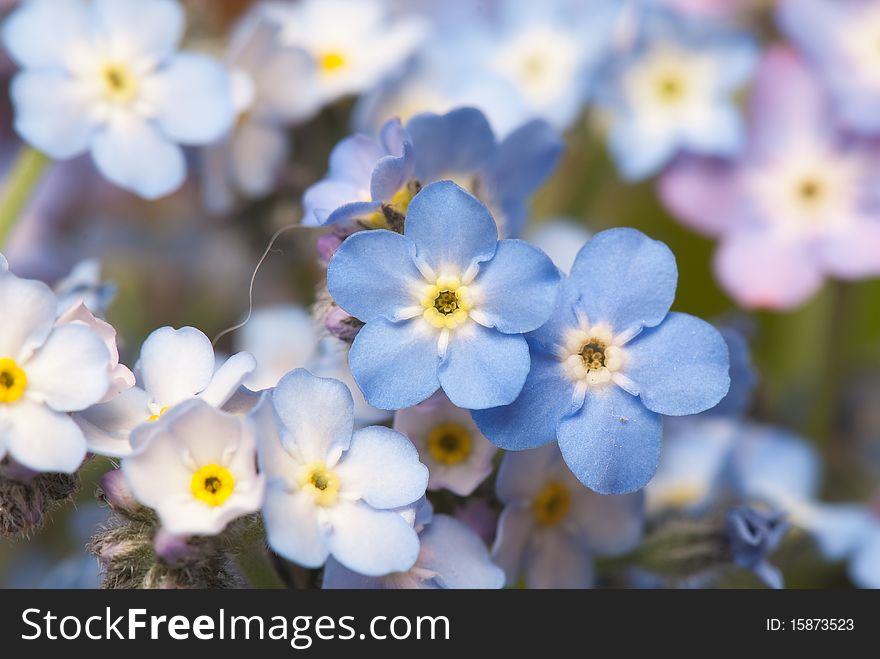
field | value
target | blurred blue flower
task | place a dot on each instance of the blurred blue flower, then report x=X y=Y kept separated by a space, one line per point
x=445 y=304
x=332 y=490
x=451 y=555
x=610 y=361
x=373 y=180
x=673 y=92
x=552 y=526
x=105 y=77
x=839 y=37
x=753 y=535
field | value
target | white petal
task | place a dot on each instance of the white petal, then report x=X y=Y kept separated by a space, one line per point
x=136 y=28
x=281 y=465
x=28 y=315
x=292 y=527
x=258 y=152
x=383 y=467
x=43 y=440
x=176 y=364
x=193 y=99
x=555 y=561
x=370 y=541
x=52 y=113
x=108 y=426
x=281 y=338
x=228 y=378
x=42 y=33
x=135 y=155
x=71 y=371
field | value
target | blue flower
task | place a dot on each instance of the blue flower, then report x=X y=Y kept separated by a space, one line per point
x=451 y=556
x=675 y=92
x=753 y=535
x=105 y=77
x=373 y=180
x=332 y=490
x=552 y=526
x=610 y=361
x=445 y=304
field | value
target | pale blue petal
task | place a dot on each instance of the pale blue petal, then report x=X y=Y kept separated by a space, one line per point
x=50 y=115
x=837 y=528
x=373 y=275
x=743 y=377
x=392 y=173
x=722 y=135
x=323 y=200
x=639 y=154
x=39 y=34
x=292 y=527
x=612 y=444
x=337 y=576
x=383 y=467
x=195 y=99
x=515 y=528
x=625 y=279
x=353 y=160
x=556 y=560
x=450 y=228
x=523 y=474
x=459 y=142
x=152 y=28
x=518 y=288
x=318 y=413
x=136 y=156
x=864 y=569
x=484 y=368
x=680 y=367
x=372 y=542
x=175 y=364
x=775 y=466
x=607 y=524
x=457 y=555
x=531 y=419
x=395 y=364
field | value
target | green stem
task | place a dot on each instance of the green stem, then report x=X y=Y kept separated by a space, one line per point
x=21 y=181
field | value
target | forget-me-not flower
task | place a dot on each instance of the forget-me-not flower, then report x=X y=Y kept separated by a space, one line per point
x=333 y=490
x=105 y=77
x=610 y=361
x=445 y=304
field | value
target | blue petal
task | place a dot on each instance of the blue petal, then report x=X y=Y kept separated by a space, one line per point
x=136 y=156
x=337 y=576
x=354 y=159
x=742 y=376
x=483 y=367
x=625 y=279
x=457 y=555
x=455 y=143
x=392 y=173
x=722 y=134
x=521 y=164
x=612 y=444
x=531 y=419
x=196 y=104
x=395 y=364
x=681 y=366
x=323 y=203
x=864 y=569
x=517 y=288
x=373 y=274
x=450 y=228
x=637 y=152
x=837 y=528
x=383 y=467
x=776 y=466
x=348 y=213
x=40 y=34
x=552 y=333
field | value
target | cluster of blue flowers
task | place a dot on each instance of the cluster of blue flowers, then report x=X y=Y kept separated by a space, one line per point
x=470 y=402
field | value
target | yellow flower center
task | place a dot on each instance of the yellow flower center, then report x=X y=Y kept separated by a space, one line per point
x=156 y=417
x=810 y=192
x=590 y=356
x=552 y=504
x=670 y=88
x=120 y=84
x=681 y=495
x=331 y=62
x=321 y=482
x=450 y=443
x=446 y=303
x=212 y=484
x=392 y=214
x=13 y=381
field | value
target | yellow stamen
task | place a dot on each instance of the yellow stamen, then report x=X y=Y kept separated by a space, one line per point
x=670 y=88
x=450 y=443
x=13 y=381
x=120 y=84
x=446 y=303
x=552 y=504
x=212 y=484
x=331 y=62
x=156 y=417
x=323 y=483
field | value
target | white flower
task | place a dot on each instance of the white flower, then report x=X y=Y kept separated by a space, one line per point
x=46 y=371
x=332 y=491
x=353 y=44
x=175 y=365
x=196 y=468
x=105 y=77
